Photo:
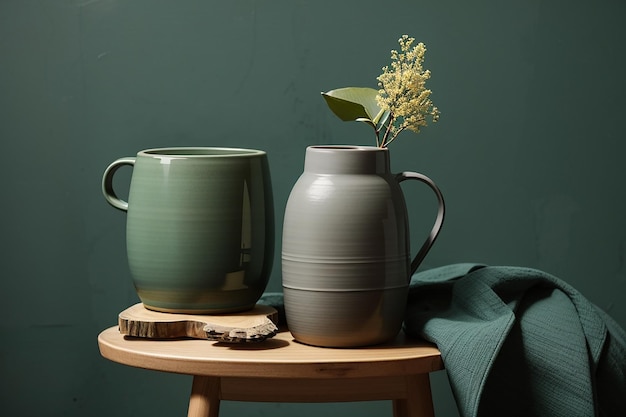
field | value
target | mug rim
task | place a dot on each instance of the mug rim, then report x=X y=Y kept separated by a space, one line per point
x=200 y=152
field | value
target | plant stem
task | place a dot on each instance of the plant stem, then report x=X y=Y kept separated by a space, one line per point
x=387 y=130
x=394 y=136
x=377 y=133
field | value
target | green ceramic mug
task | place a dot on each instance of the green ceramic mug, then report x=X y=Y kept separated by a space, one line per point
x=200 y=227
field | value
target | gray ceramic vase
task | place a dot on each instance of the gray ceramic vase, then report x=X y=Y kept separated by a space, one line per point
x=200 y=227
x=346 y=262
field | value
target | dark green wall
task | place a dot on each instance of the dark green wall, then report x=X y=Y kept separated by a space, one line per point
x=529 y=152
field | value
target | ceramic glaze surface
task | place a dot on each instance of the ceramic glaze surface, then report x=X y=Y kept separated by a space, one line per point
x=200 y=227
x=346 y=260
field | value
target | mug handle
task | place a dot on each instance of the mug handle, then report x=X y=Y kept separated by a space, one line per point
x=421 y=254
x=107 y=182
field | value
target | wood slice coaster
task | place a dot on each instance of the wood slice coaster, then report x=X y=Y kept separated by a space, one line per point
x=254 y=325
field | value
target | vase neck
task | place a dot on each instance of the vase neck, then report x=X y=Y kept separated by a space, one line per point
x=346 y=160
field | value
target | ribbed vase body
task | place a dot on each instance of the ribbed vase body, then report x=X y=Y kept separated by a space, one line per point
x=345 y=249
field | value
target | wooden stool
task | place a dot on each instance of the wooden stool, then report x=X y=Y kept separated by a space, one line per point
x=282 y=370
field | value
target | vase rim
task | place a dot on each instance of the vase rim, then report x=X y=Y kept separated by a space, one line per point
x=363 y=148
x=346 y=159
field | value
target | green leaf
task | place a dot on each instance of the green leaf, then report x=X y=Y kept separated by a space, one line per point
x=381 y=119
x=355 y=104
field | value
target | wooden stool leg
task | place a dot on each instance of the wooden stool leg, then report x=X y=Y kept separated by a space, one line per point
x=205 y=398
x=419 y=401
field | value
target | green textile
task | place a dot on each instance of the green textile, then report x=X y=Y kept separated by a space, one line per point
x=519 y=342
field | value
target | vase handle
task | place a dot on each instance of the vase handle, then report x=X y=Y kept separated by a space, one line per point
x=441 y=211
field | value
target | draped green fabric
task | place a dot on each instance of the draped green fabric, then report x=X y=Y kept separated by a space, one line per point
x=519 y=342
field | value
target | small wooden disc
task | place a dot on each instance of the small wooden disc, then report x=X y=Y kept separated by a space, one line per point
x=254 y=325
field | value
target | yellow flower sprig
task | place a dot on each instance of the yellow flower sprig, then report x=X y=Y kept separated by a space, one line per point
x=403 y=92
x=402 y=101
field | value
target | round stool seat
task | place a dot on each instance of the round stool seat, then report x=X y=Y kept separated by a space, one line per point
x=283 y=370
